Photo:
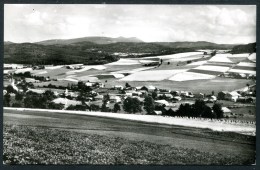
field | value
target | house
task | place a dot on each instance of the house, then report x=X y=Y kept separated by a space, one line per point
x=232 y=96
x=141 y=99
x=211 y=99
x=151 y=88
x=99 y=97
x=156 y=112
x=115 y=99
x=176 y=98
x=66 y=102
x=138 y=87
x=222 y=95
x=31 y=80
x=118 y=87
x=175 y=93
x=89 y=84
x=38 y=91
x=148 y=88
x=227 y=112
x=166 y=95
x=199 y=96
x=187 y=94
x=130 y=88
x=161 y=103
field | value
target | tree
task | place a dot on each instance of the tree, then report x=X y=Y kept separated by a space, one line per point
x=217 y=109
x=144 y=88
x=116 y=108
x=198 y=108
x=136 y=105
x=127 y=85
x=149 y=104
x=154 y=95
x=49 y=94
x=7 y=99
x=207 y=112
x=185 y=110
x=19 y=96
x=57 y=106
x=132 y=105
x=94 y=107
x=104 y=107
x=10 y=89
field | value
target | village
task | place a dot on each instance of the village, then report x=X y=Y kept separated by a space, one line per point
x=22 y=91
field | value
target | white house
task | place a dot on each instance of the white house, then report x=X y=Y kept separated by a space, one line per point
x=232 y=96
x=115 y=99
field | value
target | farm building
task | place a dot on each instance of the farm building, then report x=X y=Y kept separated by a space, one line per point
x=232 y=96
x=222 y=95
x=31 y=80
x=118 y=87
x=38 y=91
x=66 y=102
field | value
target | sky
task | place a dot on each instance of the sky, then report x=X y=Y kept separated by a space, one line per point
x=226 y=24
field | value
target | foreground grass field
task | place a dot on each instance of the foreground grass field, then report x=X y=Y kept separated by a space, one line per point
x=31 y=145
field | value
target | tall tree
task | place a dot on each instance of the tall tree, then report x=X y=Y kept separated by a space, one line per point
x=217 y=109
x=149 y=104
x=116 y=108
x=132 y=105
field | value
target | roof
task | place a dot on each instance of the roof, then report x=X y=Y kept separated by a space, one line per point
x=234 y=93
x=158 y=112
x=39 y=91
x=225 y=92
x=226 y=110
x=66 y=101
x=162 y=102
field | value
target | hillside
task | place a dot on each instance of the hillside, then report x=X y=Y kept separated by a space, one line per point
x=98 y=50
x=248 y=48
x=197 y=45
x=82 y=52
x=96 y=40
x=28 y=53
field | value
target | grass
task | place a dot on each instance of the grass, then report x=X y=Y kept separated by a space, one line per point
x=31 y=145
x=196 y=86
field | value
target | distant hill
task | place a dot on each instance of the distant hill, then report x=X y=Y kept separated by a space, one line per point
x=95 y=50
x=81 y=52
x=96 y=40
x=248 y=48
x=8 y=42
x=197 y=45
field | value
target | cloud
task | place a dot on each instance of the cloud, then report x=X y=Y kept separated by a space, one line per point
x=215 y=23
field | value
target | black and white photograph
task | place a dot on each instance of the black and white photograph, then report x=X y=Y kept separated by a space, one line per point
x=128 y=84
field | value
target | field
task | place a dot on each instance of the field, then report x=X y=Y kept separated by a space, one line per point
x=157 y=75
x=31 y=145
x=196 y=86
x=32 y=137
